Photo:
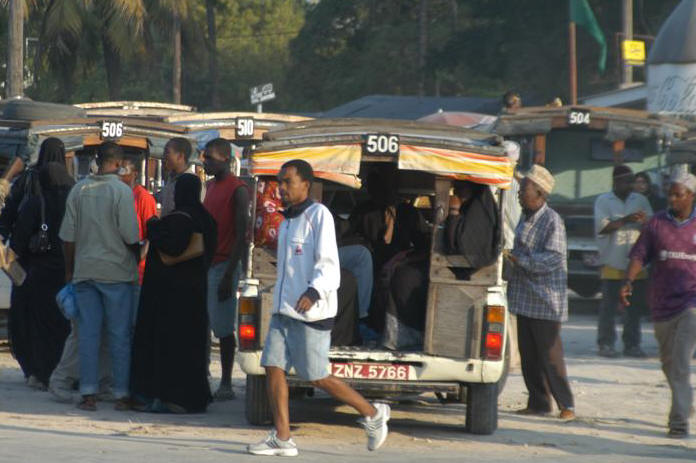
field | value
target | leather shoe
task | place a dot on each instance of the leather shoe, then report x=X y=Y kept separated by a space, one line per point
x=567 y=414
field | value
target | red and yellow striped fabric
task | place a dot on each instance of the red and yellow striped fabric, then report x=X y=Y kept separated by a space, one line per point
x=341 y=163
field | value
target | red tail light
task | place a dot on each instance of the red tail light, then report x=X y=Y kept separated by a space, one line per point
x=248 y=319
x=493 y=332
x=494 y=346
x=247 y=336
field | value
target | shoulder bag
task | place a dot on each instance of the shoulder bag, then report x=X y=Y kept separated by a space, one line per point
x=39 y=242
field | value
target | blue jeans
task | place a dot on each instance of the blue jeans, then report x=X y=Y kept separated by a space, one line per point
x=109 y=305
x=357 y=260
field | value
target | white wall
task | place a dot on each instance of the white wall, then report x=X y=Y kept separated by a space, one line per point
x=672 y=88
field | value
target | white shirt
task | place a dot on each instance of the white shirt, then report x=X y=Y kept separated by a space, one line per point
x=614 y=247
x=512 y=211
x=308 y=257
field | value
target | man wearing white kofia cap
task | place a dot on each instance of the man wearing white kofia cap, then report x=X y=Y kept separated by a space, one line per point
x=668 y=244
x=537 y=294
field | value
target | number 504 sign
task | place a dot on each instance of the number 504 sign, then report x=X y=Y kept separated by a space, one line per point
x=579 y=117
x=381 y=143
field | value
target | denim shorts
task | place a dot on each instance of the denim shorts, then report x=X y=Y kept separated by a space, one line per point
x=291 y=343
x=222 y=315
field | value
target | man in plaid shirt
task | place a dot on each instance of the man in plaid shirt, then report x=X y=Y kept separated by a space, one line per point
x=537 y=294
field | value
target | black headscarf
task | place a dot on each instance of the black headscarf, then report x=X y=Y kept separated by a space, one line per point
x=187 y=191
x=475 y=233
x=52 y=150
x=187 y=198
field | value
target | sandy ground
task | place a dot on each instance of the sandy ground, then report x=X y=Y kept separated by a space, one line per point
x=621 y=405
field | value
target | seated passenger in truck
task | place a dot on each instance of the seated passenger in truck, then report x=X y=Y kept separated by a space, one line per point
x=472 y=228
x=399 y=238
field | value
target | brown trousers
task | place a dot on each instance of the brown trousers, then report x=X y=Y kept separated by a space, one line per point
x=543 y=365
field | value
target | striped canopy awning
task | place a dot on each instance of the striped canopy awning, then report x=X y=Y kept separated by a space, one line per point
x=461 y=165
x=341 y=163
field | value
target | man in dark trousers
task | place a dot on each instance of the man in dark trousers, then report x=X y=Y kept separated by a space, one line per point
x=304 y=308
x=537 y=294
x=227 y=200
x=618 y=216
x=668 y=244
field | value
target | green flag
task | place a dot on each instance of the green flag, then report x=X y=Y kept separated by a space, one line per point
x=581 y=14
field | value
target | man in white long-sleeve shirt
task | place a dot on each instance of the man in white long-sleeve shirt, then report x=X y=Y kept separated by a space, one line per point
x=305 y=305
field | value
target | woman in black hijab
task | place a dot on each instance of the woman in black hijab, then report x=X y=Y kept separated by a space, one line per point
x=169 y=359
x=38 y=329
x=27 y=184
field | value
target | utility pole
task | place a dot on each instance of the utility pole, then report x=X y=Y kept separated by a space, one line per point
x=14 y=80
x=627 y=20
x=572 y=64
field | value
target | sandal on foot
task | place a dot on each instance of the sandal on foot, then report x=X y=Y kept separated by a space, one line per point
x=123 y=404
x=88 y=403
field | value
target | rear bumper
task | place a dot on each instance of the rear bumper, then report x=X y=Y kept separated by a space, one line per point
x=427 y=368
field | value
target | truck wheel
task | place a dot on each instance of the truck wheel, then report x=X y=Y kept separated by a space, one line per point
x=257 y=409
x=482 y=408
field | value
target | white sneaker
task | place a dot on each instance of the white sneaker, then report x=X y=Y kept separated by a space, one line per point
x=376 y=427
x=272 y=446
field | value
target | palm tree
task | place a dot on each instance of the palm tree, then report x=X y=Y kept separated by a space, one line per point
x=210 y=6
x=170 y=14
x=15 y=49
x=68 y=24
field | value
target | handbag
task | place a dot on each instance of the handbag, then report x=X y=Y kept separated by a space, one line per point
x=39 y=242
x=194 y=249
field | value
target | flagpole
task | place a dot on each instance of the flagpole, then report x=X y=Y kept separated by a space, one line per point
x=573 y=65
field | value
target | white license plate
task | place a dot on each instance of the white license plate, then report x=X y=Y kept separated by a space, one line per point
x=384 y=371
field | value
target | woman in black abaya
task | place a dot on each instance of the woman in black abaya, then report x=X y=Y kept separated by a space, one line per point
x=19 y=322
x=169 y=360
x=38 y=329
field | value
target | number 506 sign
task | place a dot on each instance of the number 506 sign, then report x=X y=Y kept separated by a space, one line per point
x=382 y=144
x=111 y=130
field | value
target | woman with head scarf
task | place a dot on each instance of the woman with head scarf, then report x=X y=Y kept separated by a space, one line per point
x=37 y=328
x=27 y=184
x=169 y=358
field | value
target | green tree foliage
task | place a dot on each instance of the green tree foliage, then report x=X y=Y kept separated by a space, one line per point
x=475 y=47
x=319 y=54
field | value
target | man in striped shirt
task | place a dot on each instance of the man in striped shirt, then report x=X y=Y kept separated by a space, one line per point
x=537 y=294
